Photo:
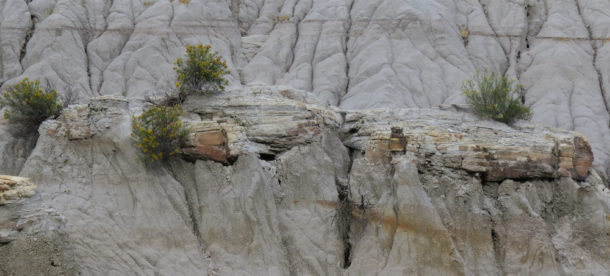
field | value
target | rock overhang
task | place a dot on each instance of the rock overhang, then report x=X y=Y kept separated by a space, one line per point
x=269 y=120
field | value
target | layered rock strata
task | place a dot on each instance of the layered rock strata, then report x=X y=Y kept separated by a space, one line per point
x=261 y=122
x=13 y=188
x=274 y=183
x=354 y=54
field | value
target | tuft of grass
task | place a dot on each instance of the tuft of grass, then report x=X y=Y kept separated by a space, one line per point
x=202 y=71
x=159 y=133
x=493 y=96
x=28 y=105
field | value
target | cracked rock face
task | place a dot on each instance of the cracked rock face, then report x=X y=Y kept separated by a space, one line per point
x=392 y=192
x=354 y=54
x=340 y=148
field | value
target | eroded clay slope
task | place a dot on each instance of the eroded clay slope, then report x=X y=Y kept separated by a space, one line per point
x=274 y=183
x=350 y=53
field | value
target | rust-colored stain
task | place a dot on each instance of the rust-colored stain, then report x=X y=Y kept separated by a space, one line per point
x=210 y=145
x=287 y=93
x=304 y=129
x=583 y=158
x=414 y=227
x=212 y=138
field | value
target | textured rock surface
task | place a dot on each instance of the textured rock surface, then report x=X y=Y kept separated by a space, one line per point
x=34 y=242
x=265 y=120
x=120 y=217
x=345 y=196
x=350 y=53
x=304 y=178
x=13 y=188
x=14 y=149
x=498 y=152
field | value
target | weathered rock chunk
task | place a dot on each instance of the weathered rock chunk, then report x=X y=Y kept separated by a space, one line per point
x=460 y=141
x=14 y=187
x=272 y=120
x=264 y=120
x=208 y=141
x=76 y=120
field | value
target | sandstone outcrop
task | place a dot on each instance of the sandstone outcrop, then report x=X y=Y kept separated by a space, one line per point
x=274 y=183
x=263 y=121
x=13 y=188
x=354 y=54
x=496 y=151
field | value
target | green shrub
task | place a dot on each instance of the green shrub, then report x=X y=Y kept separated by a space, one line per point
x=159 y=132
x=202 y=71
x=493 y=96
x=28 y=105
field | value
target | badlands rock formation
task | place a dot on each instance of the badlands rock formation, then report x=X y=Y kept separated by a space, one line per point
x=319 y=159
x=350 y=53
x=273 y=183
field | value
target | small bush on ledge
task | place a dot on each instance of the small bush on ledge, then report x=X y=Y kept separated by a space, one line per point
x=159 y=133
x=202 y=71
x=28 y=105
x=493 y=96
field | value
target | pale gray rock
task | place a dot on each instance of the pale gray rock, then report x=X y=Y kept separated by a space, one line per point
x=252 y=44
x=352 y=198
x=236 y=215
x=14 y=149
x=401 y=220
x=56 y=53
x=15 y=22
x=307 y=197
x=570 y=98
x=351 y=53
x=120 y=218
x=101 y=211
x=34 y=242
x=474 y=227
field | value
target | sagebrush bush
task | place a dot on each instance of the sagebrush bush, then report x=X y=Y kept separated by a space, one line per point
x=493 y=96
x=159 y=132
x=28 y=105
x=202 y=71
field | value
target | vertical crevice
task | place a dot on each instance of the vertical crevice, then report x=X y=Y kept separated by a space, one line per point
x=343 y=220
x=344 y=213
x=191 y=213
x=190 y=200
x=594 y=46
x=28 y=36
x=296 y=41
x=496 y=244
x=234 y=7
x=345 y=51
x=395 y=210
x=496 y=37
x=313 y=57
x=532 y=26
x=491 y=193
